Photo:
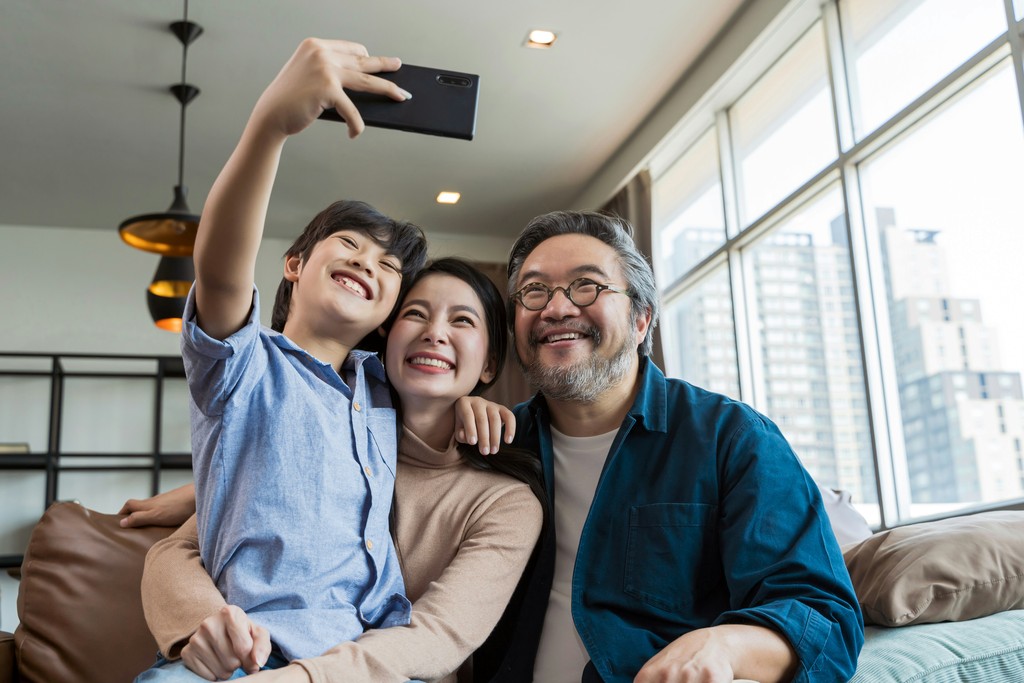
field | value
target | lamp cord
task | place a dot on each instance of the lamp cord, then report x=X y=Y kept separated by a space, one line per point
x=181 y=132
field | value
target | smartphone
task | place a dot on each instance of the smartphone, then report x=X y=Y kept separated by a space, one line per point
x=443 y=103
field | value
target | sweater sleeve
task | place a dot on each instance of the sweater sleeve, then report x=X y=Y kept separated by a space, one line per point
x=177 y=592
x=457 y=611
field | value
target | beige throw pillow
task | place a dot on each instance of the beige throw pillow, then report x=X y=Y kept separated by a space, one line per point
x=949 y=570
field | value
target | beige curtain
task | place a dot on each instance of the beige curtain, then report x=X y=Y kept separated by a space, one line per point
x=511 y=388
x=633 y=203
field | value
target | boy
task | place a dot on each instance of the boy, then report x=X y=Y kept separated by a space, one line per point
x=294 y=434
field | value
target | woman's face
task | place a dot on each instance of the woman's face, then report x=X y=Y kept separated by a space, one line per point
x=438 y=348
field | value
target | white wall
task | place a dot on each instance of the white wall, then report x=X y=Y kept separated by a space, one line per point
x=65 y=290
x=69 y=289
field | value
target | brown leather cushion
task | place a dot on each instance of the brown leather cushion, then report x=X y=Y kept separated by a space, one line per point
x=79 y=603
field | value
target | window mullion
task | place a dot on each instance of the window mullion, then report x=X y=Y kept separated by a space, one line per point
x=894 y=495
x=1016 y=40
x=838 y=77
x=730 y=198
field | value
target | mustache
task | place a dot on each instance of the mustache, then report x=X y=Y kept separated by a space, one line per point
x=533 y=339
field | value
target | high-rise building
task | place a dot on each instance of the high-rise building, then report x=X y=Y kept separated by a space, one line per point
x=962 y=414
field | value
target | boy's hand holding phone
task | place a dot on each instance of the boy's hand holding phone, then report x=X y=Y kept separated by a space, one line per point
x=315 y=79
x=445 y=103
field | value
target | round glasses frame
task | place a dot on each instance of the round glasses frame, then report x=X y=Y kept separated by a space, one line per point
x=571 y=291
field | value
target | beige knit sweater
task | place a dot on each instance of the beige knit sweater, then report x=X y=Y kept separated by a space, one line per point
x=463 y=537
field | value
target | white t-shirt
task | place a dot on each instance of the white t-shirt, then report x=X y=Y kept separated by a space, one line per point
x=578 y=464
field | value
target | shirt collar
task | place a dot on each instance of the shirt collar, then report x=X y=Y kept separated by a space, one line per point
x=356 y=359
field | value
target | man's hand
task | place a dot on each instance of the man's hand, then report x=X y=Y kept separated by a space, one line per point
x=170 y=508
x=722 y=654
x=225 y=641
x=313 y=80
x=700 y=656
x=479 y=421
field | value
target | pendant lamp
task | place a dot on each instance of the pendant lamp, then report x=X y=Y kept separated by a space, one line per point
x=166 y=294
x=173 y=232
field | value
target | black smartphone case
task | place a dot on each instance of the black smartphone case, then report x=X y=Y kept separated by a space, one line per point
x=443 y=103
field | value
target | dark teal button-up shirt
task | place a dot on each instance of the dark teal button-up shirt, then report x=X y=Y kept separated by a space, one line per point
x=703 y=515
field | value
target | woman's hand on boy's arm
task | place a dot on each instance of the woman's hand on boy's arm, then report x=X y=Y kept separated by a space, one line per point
x=170 y=508
x=479 y=421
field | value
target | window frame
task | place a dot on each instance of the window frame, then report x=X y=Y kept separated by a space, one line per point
x=892 y=482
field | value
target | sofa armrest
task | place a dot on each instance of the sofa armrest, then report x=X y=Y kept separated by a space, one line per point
x=7 y=673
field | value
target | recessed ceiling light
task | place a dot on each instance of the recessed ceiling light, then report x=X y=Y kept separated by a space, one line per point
x=541 y=38
x=448 y=197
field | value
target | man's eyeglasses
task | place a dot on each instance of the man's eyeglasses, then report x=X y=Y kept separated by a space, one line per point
x=582 y=292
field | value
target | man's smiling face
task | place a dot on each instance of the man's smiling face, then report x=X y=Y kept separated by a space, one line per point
x=570 y=352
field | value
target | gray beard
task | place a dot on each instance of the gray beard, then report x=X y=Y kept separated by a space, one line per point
x=582 y=382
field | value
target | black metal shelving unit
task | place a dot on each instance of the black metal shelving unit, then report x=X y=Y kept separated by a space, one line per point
x=54 y=460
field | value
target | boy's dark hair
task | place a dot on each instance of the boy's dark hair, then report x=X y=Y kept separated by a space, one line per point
x=399 y=238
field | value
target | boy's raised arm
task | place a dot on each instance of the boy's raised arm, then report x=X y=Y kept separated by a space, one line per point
x=235 y=211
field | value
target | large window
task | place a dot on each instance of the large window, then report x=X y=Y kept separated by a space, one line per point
x=842 y=250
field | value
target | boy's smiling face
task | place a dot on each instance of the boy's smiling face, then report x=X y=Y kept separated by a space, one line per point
x=348 y=281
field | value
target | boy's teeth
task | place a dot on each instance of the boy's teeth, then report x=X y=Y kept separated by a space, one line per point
x=353 y=285
x=431 y=361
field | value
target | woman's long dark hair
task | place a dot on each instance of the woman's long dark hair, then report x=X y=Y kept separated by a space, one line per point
x=515 y=462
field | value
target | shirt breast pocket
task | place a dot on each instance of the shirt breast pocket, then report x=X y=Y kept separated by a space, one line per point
x=672 y=553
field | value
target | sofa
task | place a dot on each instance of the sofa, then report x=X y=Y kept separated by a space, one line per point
x=942 y=601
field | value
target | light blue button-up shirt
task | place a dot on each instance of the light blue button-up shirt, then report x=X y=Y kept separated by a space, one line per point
x=295 y=470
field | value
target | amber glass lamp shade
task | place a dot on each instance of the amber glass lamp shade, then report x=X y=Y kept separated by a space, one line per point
x=171 y=233
x=167 y=293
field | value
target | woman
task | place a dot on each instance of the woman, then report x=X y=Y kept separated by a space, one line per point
x=464 y=525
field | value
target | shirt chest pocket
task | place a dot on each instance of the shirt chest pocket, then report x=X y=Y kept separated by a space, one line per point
x=672 y=553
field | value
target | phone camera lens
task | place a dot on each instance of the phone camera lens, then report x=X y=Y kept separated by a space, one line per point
x=457 y=81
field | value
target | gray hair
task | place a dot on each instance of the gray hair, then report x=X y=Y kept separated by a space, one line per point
x=614 y=231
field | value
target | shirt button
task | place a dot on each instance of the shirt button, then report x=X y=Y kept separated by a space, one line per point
x=369 y=544
x=366 y=468
x=355 y=404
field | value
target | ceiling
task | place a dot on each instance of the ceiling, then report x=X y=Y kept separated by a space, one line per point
x=90 y=132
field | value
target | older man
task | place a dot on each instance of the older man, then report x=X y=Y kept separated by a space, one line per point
x=688 y=542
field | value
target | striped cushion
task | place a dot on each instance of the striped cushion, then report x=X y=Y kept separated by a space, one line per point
x=986 y=650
